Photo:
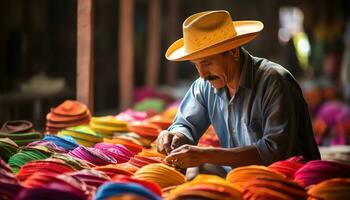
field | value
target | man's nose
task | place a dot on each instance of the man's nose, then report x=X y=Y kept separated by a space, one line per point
x=202 y=72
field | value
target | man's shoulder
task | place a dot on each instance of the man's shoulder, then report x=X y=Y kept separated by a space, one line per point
x=270 y=71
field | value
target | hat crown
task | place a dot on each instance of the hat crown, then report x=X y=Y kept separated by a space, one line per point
x=206 y=29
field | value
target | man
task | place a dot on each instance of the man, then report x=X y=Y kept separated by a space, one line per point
x=255 y=106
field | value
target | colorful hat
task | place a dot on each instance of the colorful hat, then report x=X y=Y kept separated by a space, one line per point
x=161 y=174
x=267 y=188
x=147 y=184
x=117 y=189
x=60 y=182
x=112 y=169
x=50 y=165
x=333 y=189
x=9 y=186
x=288 y=168
x=116 y=151
x=45 y=193
x=145 y=129
x=91 y=177
x=84 y=135
x=107 y=125
x=23 y=156
x=132 y=146
x=140 y=161
x=241 y=176
x=76 y=163
x=92 y=155
x=211 y=32
x=134 y=137
x=205 y=187
x=317 y=171
x=17 y=126
x=66 y=142
x=161 y=120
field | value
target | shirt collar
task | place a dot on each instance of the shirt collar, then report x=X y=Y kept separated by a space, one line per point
x=247 y=75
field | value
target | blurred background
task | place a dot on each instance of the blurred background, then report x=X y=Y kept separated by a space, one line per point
x=38 y=55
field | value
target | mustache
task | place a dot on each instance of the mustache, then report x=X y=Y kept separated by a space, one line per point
x=210 y=78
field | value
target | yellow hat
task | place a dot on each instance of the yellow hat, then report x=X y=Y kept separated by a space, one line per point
x=211 y=32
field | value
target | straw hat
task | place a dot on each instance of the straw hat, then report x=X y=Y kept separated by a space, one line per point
x=211 y=32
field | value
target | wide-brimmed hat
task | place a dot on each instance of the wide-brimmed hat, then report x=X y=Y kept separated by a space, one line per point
x=211 y=32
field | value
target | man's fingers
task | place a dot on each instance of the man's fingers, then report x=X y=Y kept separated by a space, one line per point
x=176 y=142
x=160 y=146
x=167 y=139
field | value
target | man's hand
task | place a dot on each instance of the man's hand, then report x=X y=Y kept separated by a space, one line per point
x=168 y=141
x=187 y=156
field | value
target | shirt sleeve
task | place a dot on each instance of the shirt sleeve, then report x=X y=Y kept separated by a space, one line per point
x=192 y=116
x=279 y=121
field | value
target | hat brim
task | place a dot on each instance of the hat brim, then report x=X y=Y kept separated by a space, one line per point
x=246 y=31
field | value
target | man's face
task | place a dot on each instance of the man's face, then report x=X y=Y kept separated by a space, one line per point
x=218 y=69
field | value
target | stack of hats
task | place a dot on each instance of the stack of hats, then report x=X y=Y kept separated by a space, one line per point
x=69 y=113
x=7 y=148
x=107 y=125
x=270 y=188
x=50 y=165
x=20 y=131
x=161 y=174
x=160 y=120
x=333 y=189
x=205 y=187
x=23 y=156
x=84 y=135
x=9 y=186
x=316 y=171
x=145 y=129
x=66 y=142
x=124 y=191
x=91 y=177
x=151 y=153
x=92 y=155
x=120 y=153
x=286 y=167
x=241 y=176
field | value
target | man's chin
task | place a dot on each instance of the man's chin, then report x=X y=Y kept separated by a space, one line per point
x=217 y=84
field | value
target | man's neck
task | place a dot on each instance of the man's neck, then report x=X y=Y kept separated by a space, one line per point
x=232 y=86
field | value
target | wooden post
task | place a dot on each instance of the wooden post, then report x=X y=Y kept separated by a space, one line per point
x=126 y=53
x=173 y=30
x=153 y=46
x=85 y=52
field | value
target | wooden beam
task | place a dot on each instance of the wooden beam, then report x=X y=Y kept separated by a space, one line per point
x=85 y=52
x=126 y=53
x=173 y=30
x=153 y=43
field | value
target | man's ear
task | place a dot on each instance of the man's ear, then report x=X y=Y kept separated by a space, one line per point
x=235 y=54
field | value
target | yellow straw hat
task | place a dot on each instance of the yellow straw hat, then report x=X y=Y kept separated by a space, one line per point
x=211 y=32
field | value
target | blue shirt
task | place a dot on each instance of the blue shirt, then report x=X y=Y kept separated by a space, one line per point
x=267 y=111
